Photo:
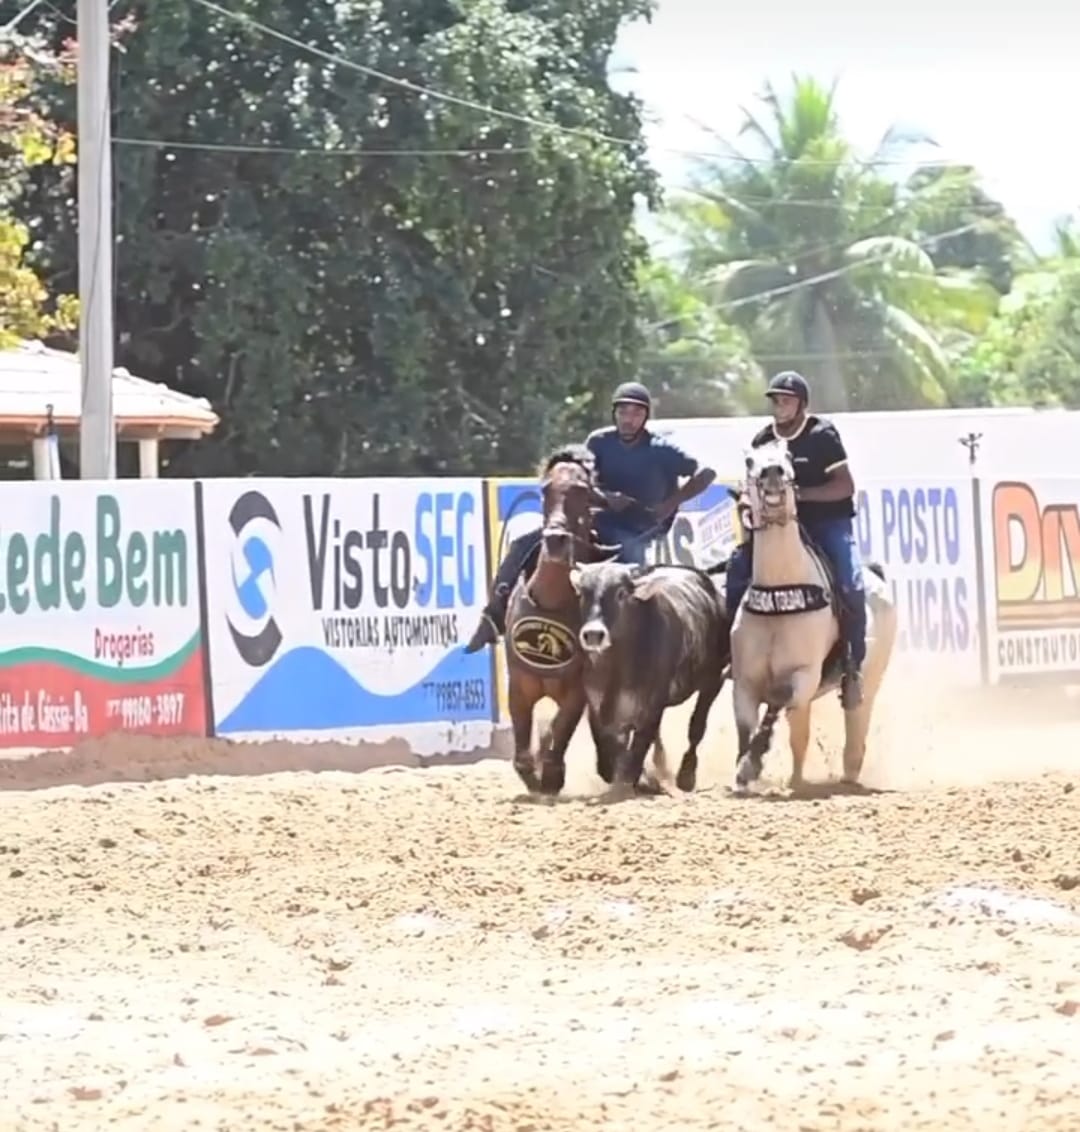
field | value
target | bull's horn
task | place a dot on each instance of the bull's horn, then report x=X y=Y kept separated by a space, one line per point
x=607 y=549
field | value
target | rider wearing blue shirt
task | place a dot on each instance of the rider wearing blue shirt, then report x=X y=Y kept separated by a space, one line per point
x=638 y=474
x=826 y=504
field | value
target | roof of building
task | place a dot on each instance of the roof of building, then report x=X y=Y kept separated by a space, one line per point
x=33 y=377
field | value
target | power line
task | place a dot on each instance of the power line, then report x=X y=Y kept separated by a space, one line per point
x=524 y=119
x=18 y=18
x=756 y=201
x=835 y=273
x=415 y=88
x=239 y=147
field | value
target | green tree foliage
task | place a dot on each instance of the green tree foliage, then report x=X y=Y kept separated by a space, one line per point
x=27 y=140
x=694 y=360
x=962 y=226
x=1030 y=353
x=395 y=310
x=818 y=256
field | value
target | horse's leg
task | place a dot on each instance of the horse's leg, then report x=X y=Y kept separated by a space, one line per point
x=857 y=722
x=763 y=737
x=745 y=703
x=522 y=698
x=804 y=684
x=563 y=726
x=799 y=736
x=686 y=779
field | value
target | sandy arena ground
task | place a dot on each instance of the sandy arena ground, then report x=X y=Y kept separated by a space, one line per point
x=422 y=949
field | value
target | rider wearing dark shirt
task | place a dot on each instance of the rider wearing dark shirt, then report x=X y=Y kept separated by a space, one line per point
x=826 y=506
x=638 y=474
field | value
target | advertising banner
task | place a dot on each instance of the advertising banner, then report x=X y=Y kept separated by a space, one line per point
x=99 y=612
x=705 y=531
x=1031 y=539
x=338 y=608
x=923 y=533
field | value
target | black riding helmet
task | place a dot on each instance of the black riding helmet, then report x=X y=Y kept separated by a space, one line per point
x=791 y=383
x=632 y=393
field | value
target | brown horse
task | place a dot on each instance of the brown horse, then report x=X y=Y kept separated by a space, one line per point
x=543 y=617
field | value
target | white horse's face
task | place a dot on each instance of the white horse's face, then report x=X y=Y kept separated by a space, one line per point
x=770 y=478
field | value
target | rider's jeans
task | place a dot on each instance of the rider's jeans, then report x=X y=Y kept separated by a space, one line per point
x=836 y=538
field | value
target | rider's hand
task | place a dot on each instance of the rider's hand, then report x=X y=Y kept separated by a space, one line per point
x=663 y=510
x=617 y=501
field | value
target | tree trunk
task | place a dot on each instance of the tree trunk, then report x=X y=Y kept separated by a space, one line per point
x=831 y=392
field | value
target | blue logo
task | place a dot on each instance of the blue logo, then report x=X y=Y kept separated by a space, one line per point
x=252 y=578
x=249 y=592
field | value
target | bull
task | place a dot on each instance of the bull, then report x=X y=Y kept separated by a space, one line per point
x=651 y=636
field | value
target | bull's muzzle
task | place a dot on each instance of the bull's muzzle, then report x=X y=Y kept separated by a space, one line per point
x=594 y=636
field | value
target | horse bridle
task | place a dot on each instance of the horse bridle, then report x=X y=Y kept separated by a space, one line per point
x=580 y=539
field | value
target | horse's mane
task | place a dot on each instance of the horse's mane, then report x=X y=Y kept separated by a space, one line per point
x=569 y=454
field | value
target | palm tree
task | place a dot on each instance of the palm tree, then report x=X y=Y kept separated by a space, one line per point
x=809 y=249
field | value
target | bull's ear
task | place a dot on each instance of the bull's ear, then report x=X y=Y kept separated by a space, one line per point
x=646 y=585
x=575 y=578
x=644 y=580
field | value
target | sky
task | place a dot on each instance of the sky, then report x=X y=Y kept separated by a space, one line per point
x=995 y=89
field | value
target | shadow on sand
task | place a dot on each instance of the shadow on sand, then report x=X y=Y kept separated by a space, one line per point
x=812 y=792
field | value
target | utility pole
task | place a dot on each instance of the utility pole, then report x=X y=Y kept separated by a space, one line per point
x=97 y=430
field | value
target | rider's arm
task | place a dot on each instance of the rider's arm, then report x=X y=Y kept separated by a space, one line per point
x=616 y=500
x=839 y=484
x=699 y=478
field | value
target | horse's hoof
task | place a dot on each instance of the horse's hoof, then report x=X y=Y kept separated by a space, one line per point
x=686 y=780
x=527 y=774
x=552 y=778
x=745 y=773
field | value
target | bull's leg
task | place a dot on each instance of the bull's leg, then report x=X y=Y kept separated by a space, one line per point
x=748 y=766
x=665 y=781
x=607 y=750
x=686 y=779
x=563 y=726
x=631 y=761
x=523 y=695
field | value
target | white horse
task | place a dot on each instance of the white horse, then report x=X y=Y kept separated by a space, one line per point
x=785 y=636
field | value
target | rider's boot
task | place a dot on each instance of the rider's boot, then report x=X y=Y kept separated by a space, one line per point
x=851 y=689
x=492 y=620
x=521 y=557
